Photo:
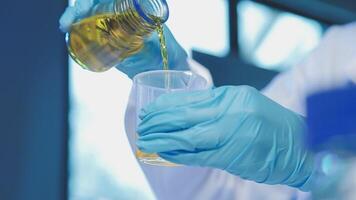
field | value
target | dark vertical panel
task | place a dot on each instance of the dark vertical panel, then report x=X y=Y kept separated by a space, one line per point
x=33 y=101
x=233 y=26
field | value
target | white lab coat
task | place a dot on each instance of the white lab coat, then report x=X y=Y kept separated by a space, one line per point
x=331 y=64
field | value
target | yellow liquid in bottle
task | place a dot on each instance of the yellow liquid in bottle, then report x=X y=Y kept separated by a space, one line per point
x=100 y=42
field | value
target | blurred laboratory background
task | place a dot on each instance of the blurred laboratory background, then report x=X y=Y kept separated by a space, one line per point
x=62 y=130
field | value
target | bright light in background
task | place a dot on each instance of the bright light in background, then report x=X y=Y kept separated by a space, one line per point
x=201 y=25
x=274 y=39
x=102 y=164
x=254 y=20
x=290 y=38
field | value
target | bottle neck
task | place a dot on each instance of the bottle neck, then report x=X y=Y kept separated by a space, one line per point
x=103 y=8
x=152 y=12
x=139 y=17
x=130 y=20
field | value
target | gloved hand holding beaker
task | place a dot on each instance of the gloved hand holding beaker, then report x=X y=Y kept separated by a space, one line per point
x=233 y=128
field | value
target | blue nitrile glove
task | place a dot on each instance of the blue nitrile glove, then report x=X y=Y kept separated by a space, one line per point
x=149 y=58
x=233 y=128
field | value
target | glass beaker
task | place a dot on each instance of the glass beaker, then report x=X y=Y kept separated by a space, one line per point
x=113 y=31
x=150 y=85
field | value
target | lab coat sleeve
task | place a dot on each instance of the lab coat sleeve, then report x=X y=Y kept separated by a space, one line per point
x=330 y=65
x=201 y=70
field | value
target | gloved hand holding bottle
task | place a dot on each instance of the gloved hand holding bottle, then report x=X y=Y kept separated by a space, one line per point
x=127 y=15
x=233 y=128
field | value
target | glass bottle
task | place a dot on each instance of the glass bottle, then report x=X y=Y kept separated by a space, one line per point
x=113 y=31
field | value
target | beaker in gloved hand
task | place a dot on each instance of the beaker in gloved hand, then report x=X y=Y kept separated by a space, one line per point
x=148 y=86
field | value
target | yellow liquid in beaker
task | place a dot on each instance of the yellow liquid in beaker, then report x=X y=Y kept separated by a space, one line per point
x=153 y=159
